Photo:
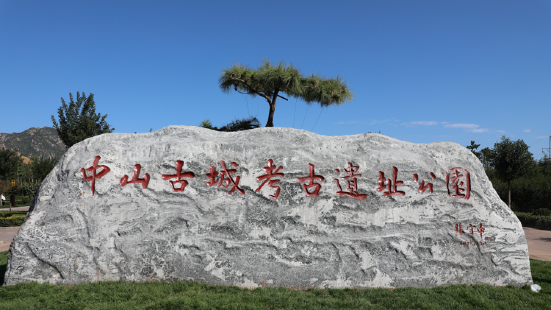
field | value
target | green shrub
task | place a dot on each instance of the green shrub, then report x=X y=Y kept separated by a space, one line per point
x=542 y=211
x=12 y=219
x=527 y=194
x=535 y=221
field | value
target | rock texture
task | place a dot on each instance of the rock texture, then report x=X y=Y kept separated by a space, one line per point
x=249 y=239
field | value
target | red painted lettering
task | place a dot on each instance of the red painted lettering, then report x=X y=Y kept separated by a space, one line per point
x=95 y=176
x=270 y=174
x=471 y=229
x=311 y=183
x=391 y=184
x=481 y=230
x=459 y=228
x=135 y=179
x=178 y=176
x=423 y=187
x=352 y=182
x=460 y=182
x=225 y=178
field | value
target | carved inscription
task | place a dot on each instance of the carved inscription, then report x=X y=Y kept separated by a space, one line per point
x=458 y=180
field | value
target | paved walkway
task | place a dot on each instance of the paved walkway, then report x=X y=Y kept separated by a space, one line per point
x=15 y=209
x=7 y=233
x=539 y=243
x=6 y=236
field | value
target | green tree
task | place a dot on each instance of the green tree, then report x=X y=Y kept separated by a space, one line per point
x=24 y=172
x=473 y=147
x=235 y=125
x=544 y=166
x=269 y=82
x=486 y=159
x=41 y=167
x=511 y=160
x=10 y=162
x=76 y=125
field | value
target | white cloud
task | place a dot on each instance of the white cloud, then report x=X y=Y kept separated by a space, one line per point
x=479 y=130
x=500 y=131
x=464 y=126
x=373 y=122
x=424 y=123
x=467 y=127
x=526 y=130
x=346 y=123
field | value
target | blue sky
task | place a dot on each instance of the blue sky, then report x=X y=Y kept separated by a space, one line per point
x=421 y=71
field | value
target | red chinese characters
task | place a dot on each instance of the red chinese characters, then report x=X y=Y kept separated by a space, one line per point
x=470 y=229
x=460 y=181
x=423 y=187
x=95 y=176
x=481 y=230
x=178 y=176
x=225 y=178
x=392 y=184
x=270 y=173
x=135 y=179
x=310 y=179
x=352 y=182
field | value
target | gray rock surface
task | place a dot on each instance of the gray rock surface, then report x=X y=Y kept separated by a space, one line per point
x=246 y=237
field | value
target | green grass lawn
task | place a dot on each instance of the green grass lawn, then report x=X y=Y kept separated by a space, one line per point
x=194 y=295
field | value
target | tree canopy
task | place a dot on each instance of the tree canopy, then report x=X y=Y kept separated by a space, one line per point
x=269 y=82
x=76 y=125
x=473 y=148
x=511 y=160
x=41 y=167
x=9 y=163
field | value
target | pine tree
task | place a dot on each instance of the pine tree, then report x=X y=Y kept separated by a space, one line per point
x=269 y=82
x=235 y=125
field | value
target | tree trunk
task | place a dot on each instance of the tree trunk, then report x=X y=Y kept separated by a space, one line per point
x=270 y=122
x=509 y=186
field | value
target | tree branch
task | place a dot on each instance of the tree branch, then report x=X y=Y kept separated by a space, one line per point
x=250 y=87
x=271 y=94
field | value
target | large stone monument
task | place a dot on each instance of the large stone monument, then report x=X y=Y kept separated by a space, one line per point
x=269 y=207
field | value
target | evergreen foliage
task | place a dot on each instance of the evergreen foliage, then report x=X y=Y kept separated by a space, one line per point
x=511 y=160
x=9 y=164
x=530 y=192
x=473 y=147
x=41 y=167
x=531 y=184
x=485 y=156
x=269 y=82
x=235 y=125
x=76 y=125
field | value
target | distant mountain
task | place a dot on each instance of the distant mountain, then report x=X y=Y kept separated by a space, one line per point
x=35 y=141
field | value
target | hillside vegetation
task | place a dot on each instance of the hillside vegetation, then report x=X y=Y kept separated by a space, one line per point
x=35 y=141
